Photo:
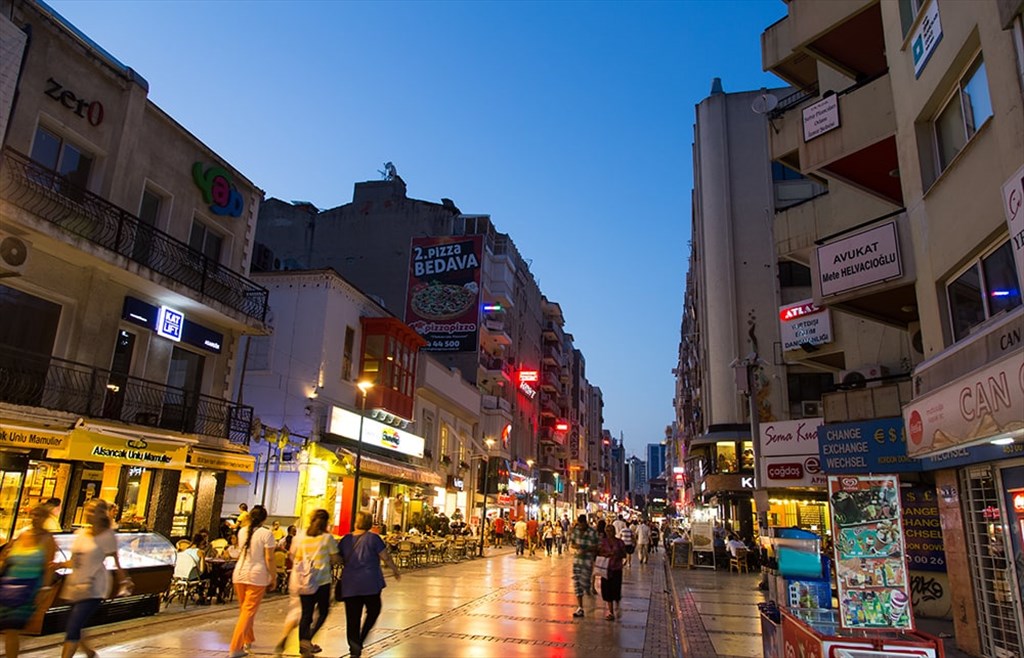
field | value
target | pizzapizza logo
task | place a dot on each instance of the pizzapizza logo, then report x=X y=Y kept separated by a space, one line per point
x=792 y=471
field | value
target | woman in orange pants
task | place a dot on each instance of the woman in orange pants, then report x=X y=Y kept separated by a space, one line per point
x=254 y=576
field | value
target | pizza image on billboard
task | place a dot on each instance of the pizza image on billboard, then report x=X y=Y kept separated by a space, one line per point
x=442 y=301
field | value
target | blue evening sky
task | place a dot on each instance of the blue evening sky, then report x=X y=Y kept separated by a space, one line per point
x=570 y=123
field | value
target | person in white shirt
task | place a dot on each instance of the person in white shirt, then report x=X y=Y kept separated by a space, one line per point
x=734 y=544
x=254 y=576
x=643 y=541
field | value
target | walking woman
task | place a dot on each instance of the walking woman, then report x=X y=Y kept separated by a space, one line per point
x=611 y=585
x=362 y=580
x=27 y=567
x=254 y=576
x=317 y=549
x=584 y=540
x=89 y=581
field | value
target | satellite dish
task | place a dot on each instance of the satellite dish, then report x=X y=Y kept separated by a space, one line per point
x=764 y=103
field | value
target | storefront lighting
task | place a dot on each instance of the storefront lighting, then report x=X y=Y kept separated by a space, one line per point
x=364 y=388
x=492 y=308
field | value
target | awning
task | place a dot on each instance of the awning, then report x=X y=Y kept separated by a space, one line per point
x=221 y=460
x=233 y=479
x=720 y=435
x=388 y=469
x=125 y=445
x=18 y=434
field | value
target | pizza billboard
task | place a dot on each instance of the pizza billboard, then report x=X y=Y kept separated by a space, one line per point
x=443 y=300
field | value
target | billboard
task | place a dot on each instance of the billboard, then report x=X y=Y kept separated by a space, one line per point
x=871 y=560
x=789 y=454
x=443 y=298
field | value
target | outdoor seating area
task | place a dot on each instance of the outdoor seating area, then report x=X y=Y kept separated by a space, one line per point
x=411 y=551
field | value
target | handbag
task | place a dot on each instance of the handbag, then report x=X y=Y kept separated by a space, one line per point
x=601 y=565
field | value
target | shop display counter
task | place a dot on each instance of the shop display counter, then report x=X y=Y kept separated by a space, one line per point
x=147 y=558
x=816 y=634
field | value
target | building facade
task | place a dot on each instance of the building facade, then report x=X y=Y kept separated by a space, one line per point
x=124 y=290
x=920 y=143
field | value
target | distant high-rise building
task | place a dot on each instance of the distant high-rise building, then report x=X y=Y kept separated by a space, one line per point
x=655 y=459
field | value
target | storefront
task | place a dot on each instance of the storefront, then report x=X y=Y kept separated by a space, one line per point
x=207 y=473
x=133 y=470
x=970 y=433
x=26 y=477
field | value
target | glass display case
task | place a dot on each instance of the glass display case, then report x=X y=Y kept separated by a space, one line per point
x=816 y=634
x=147 y=557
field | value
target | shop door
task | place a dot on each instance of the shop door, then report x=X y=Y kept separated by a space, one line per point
x=10 y=495
x=993 y=573
x=117 y=385
x=184 y=379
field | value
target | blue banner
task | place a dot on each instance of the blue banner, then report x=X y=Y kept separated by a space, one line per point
x=871 y=446
x=922 y=530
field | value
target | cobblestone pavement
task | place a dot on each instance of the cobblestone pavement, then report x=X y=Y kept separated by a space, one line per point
x=501 y=606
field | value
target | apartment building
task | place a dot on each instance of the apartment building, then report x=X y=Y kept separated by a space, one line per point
x=510 y=342
x=124 y=255
x=910 y=113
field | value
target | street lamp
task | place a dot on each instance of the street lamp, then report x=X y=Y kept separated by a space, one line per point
x=483 y=516
x=533 y=489
x=364 y=387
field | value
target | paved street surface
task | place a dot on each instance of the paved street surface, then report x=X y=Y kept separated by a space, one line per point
x=717 y=613
x=501 y=606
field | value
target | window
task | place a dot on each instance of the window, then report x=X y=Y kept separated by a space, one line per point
x=149 y=213
x=443 y=445
x=346 y=356
x=781 y=172
x=806 y=386
x=908 y=12
x=205 y=241
x=963 y=115
x=52 y=152
x=725 y=457
x=794 y=275
x=1018 y=47
x=986 y=288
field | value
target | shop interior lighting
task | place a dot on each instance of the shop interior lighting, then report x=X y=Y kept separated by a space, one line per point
x=1002 y=441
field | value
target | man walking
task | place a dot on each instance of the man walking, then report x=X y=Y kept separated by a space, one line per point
x=533 y=534
x=628 y=538
x=643 y=541
x=520 y=532
x=584 y=541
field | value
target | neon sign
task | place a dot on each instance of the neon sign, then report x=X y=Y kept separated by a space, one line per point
x=561 y=426
x=528 y=376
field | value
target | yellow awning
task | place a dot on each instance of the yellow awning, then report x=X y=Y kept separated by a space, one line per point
x=235 y=479
x=221 y=460
x=18 y=434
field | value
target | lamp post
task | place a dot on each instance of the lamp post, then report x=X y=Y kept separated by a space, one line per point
x=533 y=488
x=364 y=387
x=483 y=515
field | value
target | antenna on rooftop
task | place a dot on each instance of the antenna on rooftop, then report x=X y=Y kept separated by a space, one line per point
x=764 y=104
x=389 y=172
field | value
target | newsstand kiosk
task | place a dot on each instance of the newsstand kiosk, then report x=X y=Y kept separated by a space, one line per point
x=874 y=619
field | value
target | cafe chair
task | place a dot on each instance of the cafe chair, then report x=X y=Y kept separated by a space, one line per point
x=281 y=566
x=219 y=545
x=739 y=561
x=185 y=583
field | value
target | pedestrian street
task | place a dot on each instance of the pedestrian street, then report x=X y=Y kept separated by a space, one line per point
x=501 y=605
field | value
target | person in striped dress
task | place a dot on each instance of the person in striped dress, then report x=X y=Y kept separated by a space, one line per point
x=584 y=540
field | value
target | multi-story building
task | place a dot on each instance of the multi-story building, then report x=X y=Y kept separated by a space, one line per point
x=920 y=139
x=507 y=340
x=655 y=460
x=124 y=254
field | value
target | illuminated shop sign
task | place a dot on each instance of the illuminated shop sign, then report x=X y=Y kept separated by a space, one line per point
x=561 y=426
x=346 y=423
x=171 y=324
x=528 y=376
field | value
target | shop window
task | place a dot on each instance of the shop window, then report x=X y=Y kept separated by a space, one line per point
x=134 y=493
x=346 y=355
x=10 y=487
x=53 y=152
x=184 y=504
x=964 y=114
x=43 y=480
x=725 y=457
x=747 y=456
x=986 y=288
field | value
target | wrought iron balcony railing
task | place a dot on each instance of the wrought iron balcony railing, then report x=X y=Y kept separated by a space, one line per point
x=39 y=380
x=78 y=211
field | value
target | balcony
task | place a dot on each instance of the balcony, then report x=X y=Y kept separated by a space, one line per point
x=552 y=331
x=48 y=195
x=494 y=332
x=492 y=366
x=552 y=355
x=549 y=406
x=846 y=34
x=47 y=382
x=549 y=382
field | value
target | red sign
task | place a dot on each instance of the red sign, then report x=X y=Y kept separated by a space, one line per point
x=1018 y=501
x=528 y=376
x=790 y=471
x=562 y=426
x=798 y=310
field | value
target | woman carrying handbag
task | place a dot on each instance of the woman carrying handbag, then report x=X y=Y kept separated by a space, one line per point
x=25 y=577
x=611 y=551
x=362 y=580
x=89 y=581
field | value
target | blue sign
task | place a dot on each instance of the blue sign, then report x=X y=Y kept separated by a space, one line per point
x=922 y=530
x=985 y=452
x=169 y=323
x=872 y=446
x=146 y=315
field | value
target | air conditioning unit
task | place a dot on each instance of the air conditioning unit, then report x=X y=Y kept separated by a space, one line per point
x=14 y=253
x=811 y=408
x=859 y=377
x=916 y=343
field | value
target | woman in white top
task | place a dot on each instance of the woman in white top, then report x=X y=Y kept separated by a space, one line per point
x=254 y=576
x=89 y=582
